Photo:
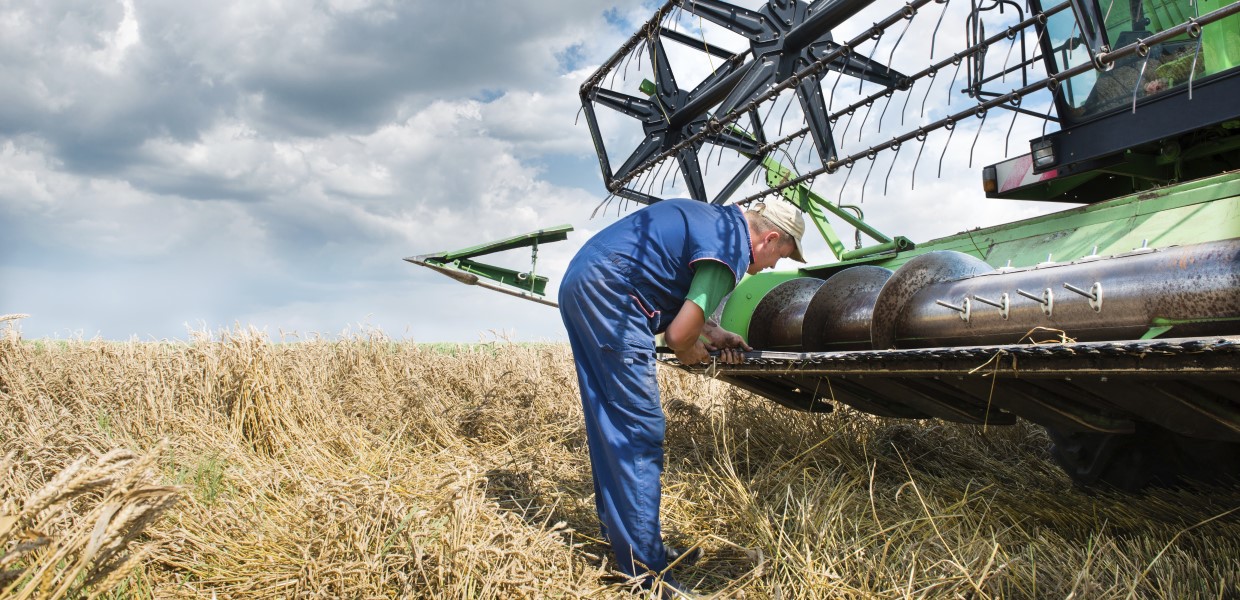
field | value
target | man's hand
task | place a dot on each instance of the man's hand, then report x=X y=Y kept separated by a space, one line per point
x=693 y=355
x=692 y=338
x=718 y=338
x=729 y=345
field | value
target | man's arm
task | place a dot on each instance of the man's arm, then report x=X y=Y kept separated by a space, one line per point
x=683 y=334
x=689 y=333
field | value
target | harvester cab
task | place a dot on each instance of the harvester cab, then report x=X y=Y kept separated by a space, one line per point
x=1122 y=311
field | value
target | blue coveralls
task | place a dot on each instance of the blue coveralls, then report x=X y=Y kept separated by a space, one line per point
x=625 y=285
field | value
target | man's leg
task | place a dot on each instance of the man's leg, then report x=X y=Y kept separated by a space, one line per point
x=624 y=430
x=626 y=426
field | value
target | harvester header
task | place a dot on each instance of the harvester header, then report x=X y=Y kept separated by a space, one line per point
x=1114 y=323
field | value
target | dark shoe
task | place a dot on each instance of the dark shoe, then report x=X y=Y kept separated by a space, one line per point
x=681 y=557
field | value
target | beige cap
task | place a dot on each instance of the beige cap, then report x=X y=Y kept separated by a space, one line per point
x=788 y=218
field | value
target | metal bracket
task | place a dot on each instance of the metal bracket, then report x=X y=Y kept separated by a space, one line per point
x=1003 y=304
x=1047 y=299
x=1094 y=294
x=964 y=311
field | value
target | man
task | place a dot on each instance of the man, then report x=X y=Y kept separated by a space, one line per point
x=661 y=269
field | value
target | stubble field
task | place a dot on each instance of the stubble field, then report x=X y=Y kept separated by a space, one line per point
x=232 y=467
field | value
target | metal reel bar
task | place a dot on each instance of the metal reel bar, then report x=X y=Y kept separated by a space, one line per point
x=716 y=125
x=1101 y=62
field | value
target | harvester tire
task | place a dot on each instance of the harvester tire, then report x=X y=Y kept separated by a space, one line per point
x=1152 y=456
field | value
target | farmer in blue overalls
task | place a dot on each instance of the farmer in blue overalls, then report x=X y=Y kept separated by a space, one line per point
x=662 y=269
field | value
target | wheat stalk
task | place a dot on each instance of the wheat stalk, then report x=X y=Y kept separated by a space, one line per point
x=75 y=533
x=367 y=467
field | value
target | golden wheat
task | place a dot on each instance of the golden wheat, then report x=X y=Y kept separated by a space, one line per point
x=76 y=532
x=365 y=468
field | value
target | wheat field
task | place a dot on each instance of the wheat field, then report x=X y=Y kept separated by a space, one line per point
x=230 y=466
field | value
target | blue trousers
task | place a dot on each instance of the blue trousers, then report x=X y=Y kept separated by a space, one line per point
x=614 y=352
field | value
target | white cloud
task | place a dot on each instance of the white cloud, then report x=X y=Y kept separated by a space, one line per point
x=117 y=43
x=270 y=163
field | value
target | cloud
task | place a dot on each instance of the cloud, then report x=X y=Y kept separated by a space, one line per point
x=294 y=233
x=165 y=165
x=100 y=79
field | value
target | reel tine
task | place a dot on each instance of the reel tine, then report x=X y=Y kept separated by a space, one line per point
x=951 y=85
x=1015 y=113
x=890 y=56
x=977 y=135
x=804 y=136
x=1050 y=107
x=666 y=172
x=921 y=137
x=846 y=126
x=601 y=205
x=642 y=182
x=934 y=73
x=1140 y=76
x=657 y=169
x=628 y=58
x=767 y=118
x=873 y=159
x=882 y=114
x=934 y=36
x=951 y=130
x=831 y=102
x=1008 y=57
x=878 y=38
x=780 y=132
x=861 y=127
x=844 y=185
x=614 y=71
x=894 y=157
x=1196 y=53
x=719 y=156
x=908 y=21
x=908 y=95
x=641 y=50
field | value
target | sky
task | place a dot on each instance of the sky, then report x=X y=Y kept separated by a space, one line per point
x=171 y=167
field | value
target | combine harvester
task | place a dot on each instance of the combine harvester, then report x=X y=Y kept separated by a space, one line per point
x=1114 y=324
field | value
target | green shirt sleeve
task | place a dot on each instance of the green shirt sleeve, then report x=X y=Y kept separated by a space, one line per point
x=712 y=280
